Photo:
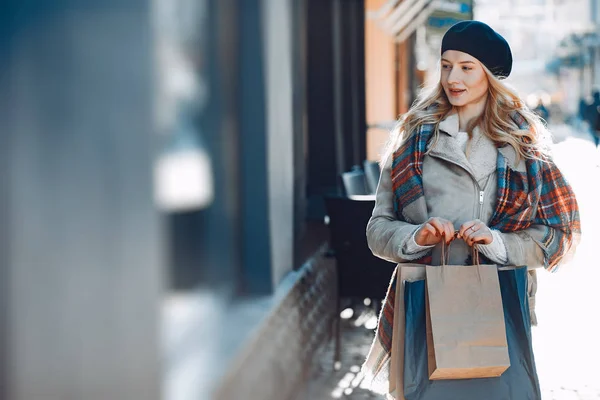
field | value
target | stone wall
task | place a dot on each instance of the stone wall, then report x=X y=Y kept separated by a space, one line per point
x=275 y=362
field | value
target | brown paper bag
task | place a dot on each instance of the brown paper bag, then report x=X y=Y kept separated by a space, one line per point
x=405 y=273
x=466 y=335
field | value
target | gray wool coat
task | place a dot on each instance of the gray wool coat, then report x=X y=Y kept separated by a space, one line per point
x=458 y=188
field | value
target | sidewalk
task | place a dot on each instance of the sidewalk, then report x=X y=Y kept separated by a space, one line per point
x=325 y=383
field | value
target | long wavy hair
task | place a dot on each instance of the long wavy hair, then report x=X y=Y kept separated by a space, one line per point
x=432 y=106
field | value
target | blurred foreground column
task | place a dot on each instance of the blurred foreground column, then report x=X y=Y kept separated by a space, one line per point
x=80 y=266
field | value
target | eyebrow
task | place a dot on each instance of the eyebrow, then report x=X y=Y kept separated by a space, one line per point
x=461 y=62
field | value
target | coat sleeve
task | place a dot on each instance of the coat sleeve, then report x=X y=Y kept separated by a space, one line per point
x=530 y=247
x=526 y=247
x=386 y=235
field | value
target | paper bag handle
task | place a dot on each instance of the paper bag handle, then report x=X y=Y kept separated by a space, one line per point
x=445 y=256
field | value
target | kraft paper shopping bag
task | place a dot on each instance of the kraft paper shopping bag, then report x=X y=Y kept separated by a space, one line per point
x=466 y=332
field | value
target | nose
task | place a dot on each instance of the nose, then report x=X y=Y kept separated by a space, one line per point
x=453 y=76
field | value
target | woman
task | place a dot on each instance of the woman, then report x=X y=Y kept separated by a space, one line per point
x=469 y=163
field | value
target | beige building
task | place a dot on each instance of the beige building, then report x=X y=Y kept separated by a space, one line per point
x=388 y=66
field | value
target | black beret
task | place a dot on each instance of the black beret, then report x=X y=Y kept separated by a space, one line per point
x=483 y=43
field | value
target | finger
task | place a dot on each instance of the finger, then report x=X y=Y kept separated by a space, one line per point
x=476 y=224
x=475 y=230
x=474 y=239
x=437 y=224
x=424 y=235
x=482 y=238
x=422 y=231
x=445 y=228
x=467 y=236
x=464 y=227
x=428 y=232
x=449 y=229
x=471 y=234
x=481 y=233
x=429 y=229
x=465 y=231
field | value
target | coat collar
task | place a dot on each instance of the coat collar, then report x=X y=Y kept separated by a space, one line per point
x=483 y=152
x=450 y=124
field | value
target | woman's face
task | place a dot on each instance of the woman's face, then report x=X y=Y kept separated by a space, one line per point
x=463 y=78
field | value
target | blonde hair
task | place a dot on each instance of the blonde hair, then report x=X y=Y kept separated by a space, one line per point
x=432 y=106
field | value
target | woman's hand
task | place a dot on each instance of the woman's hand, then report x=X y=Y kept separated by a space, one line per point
x=433 y=231
x=475 y=232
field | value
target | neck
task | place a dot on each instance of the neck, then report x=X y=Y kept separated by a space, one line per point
x=470 y=112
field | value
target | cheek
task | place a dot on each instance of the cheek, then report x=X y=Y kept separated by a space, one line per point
x=444 y=78
x=479 y=84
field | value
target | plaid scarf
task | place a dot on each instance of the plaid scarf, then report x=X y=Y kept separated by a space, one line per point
x=541 y=196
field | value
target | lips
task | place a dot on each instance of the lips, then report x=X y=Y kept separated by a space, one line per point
x=456 y=92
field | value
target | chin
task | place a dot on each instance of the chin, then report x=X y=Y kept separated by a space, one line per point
x=457 y=102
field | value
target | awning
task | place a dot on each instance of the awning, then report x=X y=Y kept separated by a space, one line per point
x=400 y=18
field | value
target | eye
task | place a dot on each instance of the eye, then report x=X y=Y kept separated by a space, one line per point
x=446 y=66
x=465 y=68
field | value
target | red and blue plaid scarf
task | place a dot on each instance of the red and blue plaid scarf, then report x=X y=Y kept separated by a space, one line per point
x=541 y=196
